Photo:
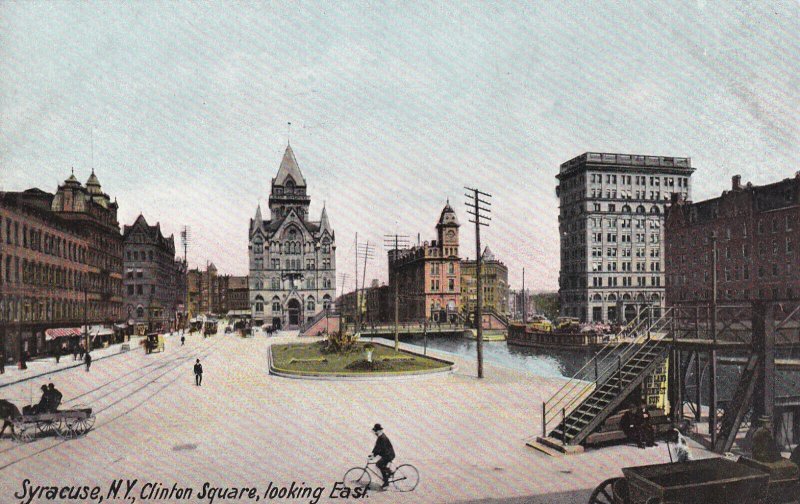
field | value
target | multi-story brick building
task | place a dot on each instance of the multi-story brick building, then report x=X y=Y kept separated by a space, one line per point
x=756 y=232
x=611 y=215
x=494 y=284
x=151 y=297
x=234 y=293
x=292 y=259
x=95 y=216
x=60 y=265
x=181 y=291
x=428 y=276
x=204 y=291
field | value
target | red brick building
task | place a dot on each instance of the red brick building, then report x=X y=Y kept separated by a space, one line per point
x=428 y=276
x=60 y=265
x=756 y=230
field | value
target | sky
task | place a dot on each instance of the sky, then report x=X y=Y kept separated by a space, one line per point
x=182 y=109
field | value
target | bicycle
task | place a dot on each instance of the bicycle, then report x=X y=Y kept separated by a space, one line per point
x=405 y=477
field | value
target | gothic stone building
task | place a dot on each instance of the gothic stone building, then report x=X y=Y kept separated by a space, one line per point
x=292 y=259
x=428 y=276
x=611 y=216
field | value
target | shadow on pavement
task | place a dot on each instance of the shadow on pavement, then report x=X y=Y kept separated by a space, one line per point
x=573 y=497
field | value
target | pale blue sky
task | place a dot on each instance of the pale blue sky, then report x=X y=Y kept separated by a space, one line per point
x=395 y=106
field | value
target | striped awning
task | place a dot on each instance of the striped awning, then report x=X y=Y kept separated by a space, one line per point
x=51 y=334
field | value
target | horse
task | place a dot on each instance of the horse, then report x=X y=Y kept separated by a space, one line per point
x=8 y=412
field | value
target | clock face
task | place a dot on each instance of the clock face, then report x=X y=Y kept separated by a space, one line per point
x=451 y=234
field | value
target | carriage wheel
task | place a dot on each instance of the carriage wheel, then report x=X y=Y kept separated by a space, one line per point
x=47 y=427
x=81 y=426
x=64 y=429
x=23 y=432
x=604 y=493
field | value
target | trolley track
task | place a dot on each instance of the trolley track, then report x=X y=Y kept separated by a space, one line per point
x=179 y=362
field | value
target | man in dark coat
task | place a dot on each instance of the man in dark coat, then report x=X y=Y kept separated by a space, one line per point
x=384 y=452
x=88 y=361
x=55 y=398
x=198 y=373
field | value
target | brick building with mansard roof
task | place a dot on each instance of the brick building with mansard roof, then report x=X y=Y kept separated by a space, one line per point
x=292 y=259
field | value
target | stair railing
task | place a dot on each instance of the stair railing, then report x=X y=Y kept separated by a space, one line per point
x=581 y=376
x=633 y=351
x=602 y=365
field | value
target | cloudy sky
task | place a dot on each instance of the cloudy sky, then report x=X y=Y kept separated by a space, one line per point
x=394 y=108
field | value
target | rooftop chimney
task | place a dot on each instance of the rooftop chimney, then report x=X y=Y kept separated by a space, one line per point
x=737 y=182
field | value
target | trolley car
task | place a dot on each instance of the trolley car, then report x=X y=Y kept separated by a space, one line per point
x=154 y=343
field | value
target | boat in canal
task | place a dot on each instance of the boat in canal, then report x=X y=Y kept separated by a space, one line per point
x=565 y=332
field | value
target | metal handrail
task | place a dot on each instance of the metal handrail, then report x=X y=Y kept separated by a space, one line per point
x=641 y=349
x=611 y=344
x=633 y=349
x=608 y=348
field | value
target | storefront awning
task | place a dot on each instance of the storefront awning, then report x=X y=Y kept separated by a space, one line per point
x=98 y=330
x=64 y=332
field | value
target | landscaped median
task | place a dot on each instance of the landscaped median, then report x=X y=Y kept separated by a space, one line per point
x=314 y=360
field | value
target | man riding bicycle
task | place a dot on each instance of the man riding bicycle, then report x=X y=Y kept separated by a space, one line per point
x=384 y=452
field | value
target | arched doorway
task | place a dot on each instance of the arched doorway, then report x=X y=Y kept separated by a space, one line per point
x=293 y=307
x=630 y=312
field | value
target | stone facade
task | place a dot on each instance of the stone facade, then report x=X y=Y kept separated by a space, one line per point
x=428 y=276
x=611 y=216
x=292 y=259
x=234 y=293
x=756 y=230
x=494 y=283
x=151 y=286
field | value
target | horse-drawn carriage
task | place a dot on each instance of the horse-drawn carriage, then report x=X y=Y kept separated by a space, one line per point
x=706 y=481
x=154 y=343
x=66 y=424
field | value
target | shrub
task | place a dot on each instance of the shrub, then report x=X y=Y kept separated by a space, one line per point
x=341 y=342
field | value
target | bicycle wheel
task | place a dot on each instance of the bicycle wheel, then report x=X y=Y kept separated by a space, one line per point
x=357 y=477
x=405 y=478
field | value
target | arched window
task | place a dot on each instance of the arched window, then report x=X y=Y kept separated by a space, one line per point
x=655 y=210
x=276 y=304
x=626 y=209
x=310 y=305
x=139 y=311
x=640 y=209
x=326 y=301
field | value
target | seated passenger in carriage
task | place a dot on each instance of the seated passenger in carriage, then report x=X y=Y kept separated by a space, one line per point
x=55 y=398
x=42 y=407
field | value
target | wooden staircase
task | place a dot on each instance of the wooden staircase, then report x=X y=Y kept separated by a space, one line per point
x=609 y=394
x=597 y=390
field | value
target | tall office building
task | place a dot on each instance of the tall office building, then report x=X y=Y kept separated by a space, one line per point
x=611 y=228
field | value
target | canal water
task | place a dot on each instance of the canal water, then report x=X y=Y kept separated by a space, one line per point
x=541 y=362
x=557 y=363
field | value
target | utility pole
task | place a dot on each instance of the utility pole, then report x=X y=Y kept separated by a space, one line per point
x=478 y=213
x=366 y=251
x=393 y=243
x=341 y=310
x=355 y=305
x=524 y=310
x=712 y=353
x=185 y=242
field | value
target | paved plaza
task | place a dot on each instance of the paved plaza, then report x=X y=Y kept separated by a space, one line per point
x=244 y=427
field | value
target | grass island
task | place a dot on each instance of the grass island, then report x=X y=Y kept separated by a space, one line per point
x=318 y=359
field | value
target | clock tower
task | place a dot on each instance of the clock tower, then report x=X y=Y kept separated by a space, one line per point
x=447 y=230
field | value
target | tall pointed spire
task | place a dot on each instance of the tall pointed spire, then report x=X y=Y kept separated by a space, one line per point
x=323 y=220
x=289 y=168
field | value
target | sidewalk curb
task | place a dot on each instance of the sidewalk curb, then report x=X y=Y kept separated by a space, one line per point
x=54 y=371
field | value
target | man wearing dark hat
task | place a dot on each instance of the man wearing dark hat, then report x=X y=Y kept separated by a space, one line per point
x=384 y=452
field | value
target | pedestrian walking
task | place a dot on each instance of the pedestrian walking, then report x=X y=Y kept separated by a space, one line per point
x=183 y=339
x=74 y=352
x=198 y=373
x=81 y=351
x=58 y=353
x=88 y=361
x=2 y=363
